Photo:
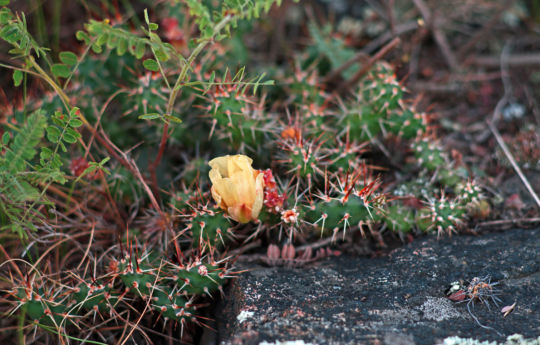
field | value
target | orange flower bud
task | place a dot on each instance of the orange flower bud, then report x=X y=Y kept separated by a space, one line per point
x=237 y=187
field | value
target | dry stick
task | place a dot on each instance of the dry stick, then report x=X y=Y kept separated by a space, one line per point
x=438 y=35
x=526 y=59
x=88 y=247
x=508 y=222
x=389 y=4
x=8 y=259
x=315 y=245
x=245 y=248
x=358 y=57
x=380 y=54
x=149 y=299
x=509 y=156
x=132 y=166
x=379 y=41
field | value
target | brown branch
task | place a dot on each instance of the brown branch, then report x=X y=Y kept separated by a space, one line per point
x=509 y=222
x=154 y=165
x=380 y=54
x=358 y=57
x=132 y=166
x=437 y=34
x=379 y=41
x=526 y=59
x=516 y=167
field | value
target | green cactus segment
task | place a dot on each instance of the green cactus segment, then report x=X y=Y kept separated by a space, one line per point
x=209 y=228
x=181 y=201
x=345 y=157
x=306 y=93
x=199 y=278
x=363 y=121
x=469 y=193
x=442 y=215
x=169 y=288
x=93 y=296
x=430 y=155
x=407 y=124
x=138 y=275
x=331 y=215
x=146 y=98
x=48 y=310
x=237 y=115
x=399 y=218
x=172 y=307
x=381 y=89
x=378 y=107
x=303 y=159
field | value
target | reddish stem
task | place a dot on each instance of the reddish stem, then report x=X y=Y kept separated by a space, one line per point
x=154 y=165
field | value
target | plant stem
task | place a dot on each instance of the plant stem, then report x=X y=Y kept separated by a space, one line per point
x=20 y=329
x=172 y=98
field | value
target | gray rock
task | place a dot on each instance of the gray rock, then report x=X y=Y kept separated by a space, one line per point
x=398 y=299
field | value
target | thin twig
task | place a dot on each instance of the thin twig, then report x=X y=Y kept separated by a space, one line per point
x=506 y=222
x=380 y=54
x=509 y=156
x=437 y=34
x=389 y=4
x=359 y=57
x=379 y=41
x=315 y=245
x=525 y=59
x=245 y=248
x=132 y=166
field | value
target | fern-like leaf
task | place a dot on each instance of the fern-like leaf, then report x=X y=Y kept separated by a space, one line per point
x=23 y=149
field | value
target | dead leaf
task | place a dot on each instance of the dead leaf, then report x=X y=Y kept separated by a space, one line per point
x=508 y=309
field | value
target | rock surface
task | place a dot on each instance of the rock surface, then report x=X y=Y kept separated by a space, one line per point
x=399 y=299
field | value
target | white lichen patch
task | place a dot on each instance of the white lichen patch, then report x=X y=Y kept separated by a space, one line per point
x=287 y=342
x=244 y=315
x=439 y=309
x=515 y=339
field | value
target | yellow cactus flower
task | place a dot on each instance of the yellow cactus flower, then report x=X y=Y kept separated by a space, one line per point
x=237 y=187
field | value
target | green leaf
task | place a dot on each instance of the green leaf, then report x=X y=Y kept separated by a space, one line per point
x=82 y=36
x=5 y=15
x=162 y=55
x=5 y=138
x=151 y=64
x=121 y=47
x=17 y=77
x=210 y=82
x=102 y=39
x=72 y=132
x=73 y=112
x=146 y=16
x=60 y=70
x=153 y=26
x=75 y=123
x=4 y=2
x=139 y=49
x=26 y=191
x=68 y=58
x=149 y=116
x=172 y=118
x=53 y=134
x=70 y=139
x=96 y=48
x=22 y=148
x=45 y=153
